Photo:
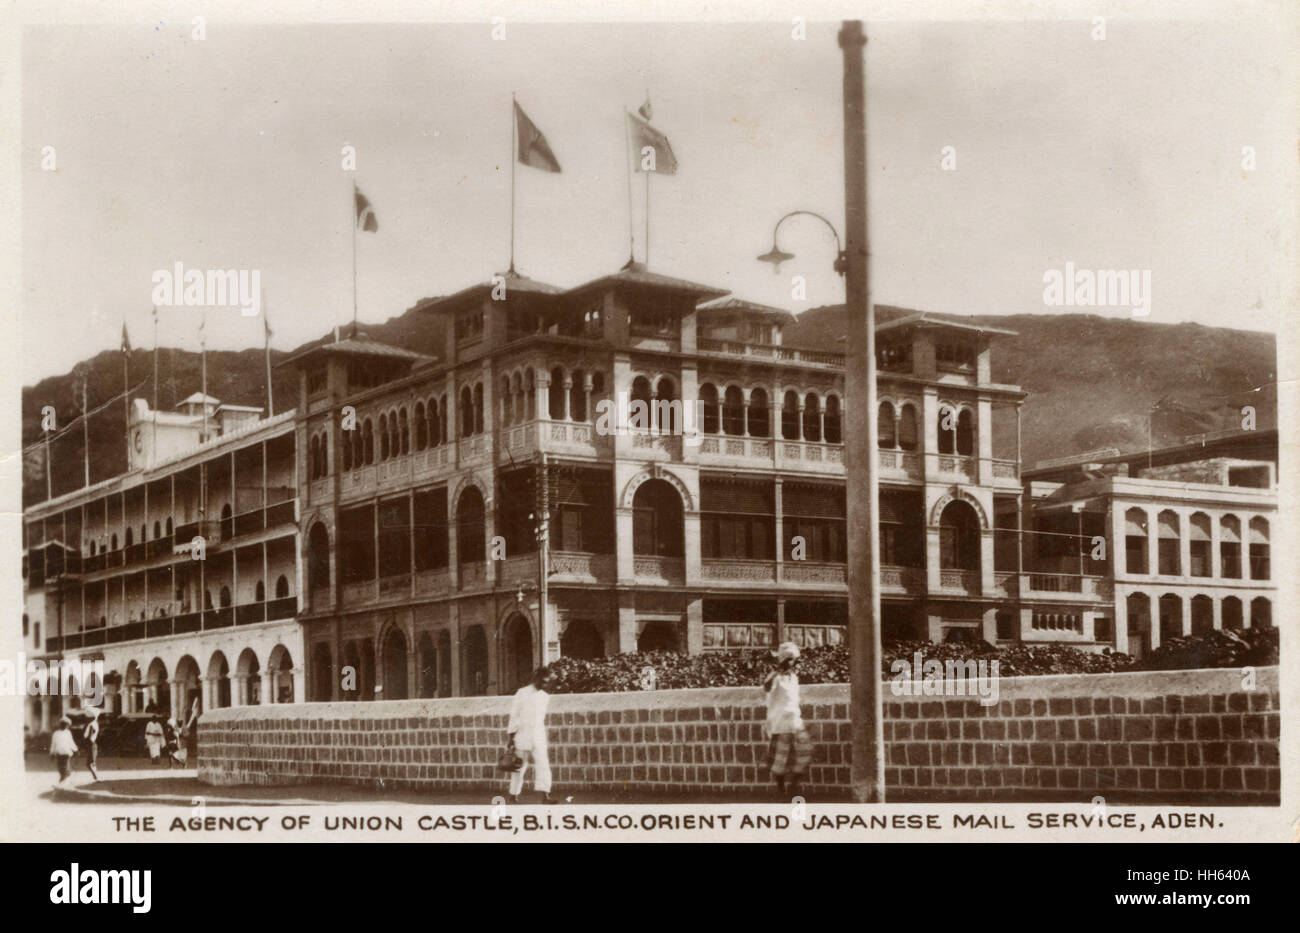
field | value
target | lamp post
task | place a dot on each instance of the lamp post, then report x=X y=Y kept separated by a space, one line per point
x=867 y=775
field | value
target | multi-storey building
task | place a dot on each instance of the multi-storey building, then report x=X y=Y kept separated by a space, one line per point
x=1180 y=547
x=181 y=575
x=431 y=481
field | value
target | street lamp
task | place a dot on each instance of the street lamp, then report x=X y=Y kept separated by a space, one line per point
x=867 y=772
x=777 y=256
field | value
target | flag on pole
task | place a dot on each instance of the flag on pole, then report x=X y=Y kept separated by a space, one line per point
x=126 y=340
x=367 y=222
x=645 y=110
x=643 y=135
x=534 y=150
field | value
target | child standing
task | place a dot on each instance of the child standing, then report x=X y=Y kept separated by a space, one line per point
x=790 y=747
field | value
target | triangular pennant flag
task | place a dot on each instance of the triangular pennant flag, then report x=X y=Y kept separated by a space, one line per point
x=660 y=158
x=534 y=150
x=645 y=110
x=367 y=222
x=126 y=340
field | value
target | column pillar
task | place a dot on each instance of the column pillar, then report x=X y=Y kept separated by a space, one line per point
x=1121 y=622
x=568 y=392
x=1184 y=543
x=1153 y=555
x=744 y=412
x=175 y=686
x=778 y=530
x=241 y=689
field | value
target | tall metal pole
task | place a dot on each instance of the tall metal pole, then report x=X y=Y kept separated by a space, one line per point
x=867 y=775
x=543 y=571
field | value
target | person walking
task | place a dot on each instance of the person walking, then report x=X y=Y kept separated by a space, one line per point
x=790 y=748
x=91 y=735
x=171 y=740
x=527 y=729
x=153 y=737
x=63 y=747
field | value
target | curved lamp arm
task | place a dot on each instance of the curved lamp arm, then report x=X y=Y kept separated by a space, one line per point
x=778 y=256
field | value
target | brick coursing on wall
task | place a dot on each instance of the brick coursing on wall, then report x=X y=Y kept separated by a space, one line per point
x=1179 y=736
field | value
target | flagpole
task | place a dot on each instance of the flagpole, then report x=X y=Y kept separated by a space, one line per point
x=354 y=258
x=631 y=221
x=266 y=330
x=49 y=483
x=647 y=191
x=203 y=355
x=85 y=427
x=514 y=148
x=126 y=393
x=153 y=443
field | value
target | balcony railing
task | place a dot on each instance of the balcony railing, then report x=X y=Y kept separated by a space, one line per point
x=739 y=571
x=665 y=569
x=275 y=610
x=1084 y=585
x=598 y=567
x=817 y=573
x=769 y=351
x=282 y=513
x=963 y=581
x=247 y=523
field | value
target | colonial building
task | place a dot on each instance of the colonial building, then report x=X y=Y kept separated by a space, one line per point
x=717 y=520
x=181 y=575
x=1180 y=547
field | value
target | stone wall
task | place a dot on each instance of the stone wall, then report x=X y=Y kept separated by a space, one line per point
x=1183 y=736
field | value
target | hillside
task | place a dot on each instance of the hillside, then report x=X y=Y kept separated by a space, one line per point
x=1090 y=380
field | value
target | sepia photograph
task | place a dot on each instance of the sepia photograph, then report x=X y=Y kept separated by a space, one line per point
x=582 y=423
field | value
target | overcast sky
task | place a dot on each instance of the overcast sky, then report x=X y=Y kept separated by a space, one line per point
x=225 y=153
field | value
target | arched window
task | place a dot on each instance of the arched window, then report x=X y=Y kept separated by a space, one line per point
x=640 y=416
x=478 y=408
x=947 y=429
x=421 y=427
x=1232 y=616
x=394 y=666
x=555 y=395
x=709 y=417
x=368 y=441
x=959 y=537
x=471 y=544
x=1261 y=613
x=578 y=396
x=1171 y=616
x=1135 y=541
x=113 y=543
x=225 y=597
x=130 y=537
x=965 y=433
x=530 y=385
x=518 y=660
x=1202 y=614
x=466 y=411
x=733 y=412
x=759 y=412
x=435 y=423
x=169 y=530
x=790 y=417
x=833 y=432
x=657 y=527
x=519 y=400
x=282 y=587
x=667 y=414
x=426 y=661
x=1230 y=547
x=812 y=417
x=885 y=426
x=318 y=558
x=383 y=437
x=1168 y=547
x=157 y=530
x=1259 y=549
x=347 y=450
x=909 y=437
x=259 y=593
x=581 y=639
x=507 y=403
x=403 y=433
x=1198 y=532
